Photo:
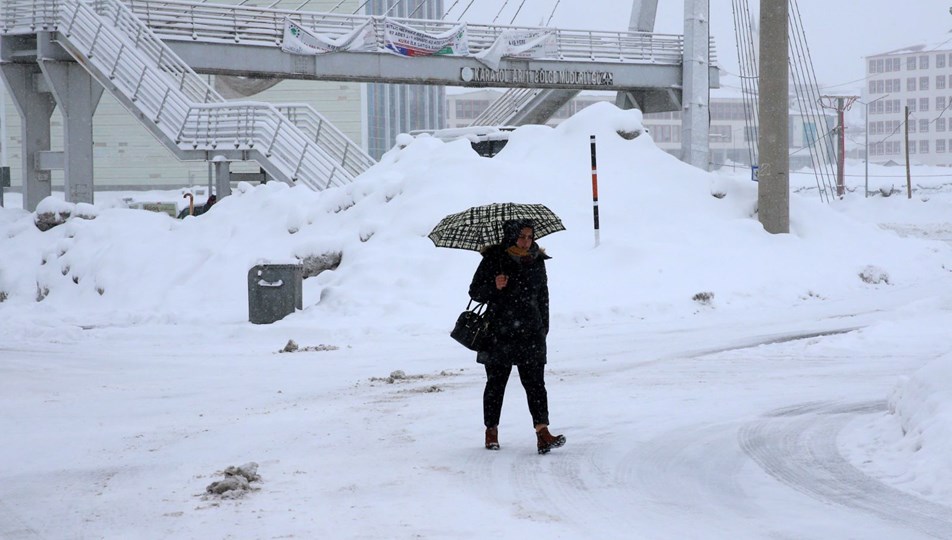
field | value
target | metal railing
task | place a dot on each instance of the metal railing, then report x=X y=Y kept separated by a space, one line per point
x=244 y=24
x=505 y=106
x=127 y=56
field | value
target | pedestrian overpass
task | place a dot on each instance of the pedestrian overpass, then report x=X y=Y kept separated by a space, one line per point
x=148 y=55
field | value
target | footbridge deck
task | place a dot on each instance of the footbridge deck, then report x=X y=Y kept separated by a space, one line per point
x=246 y=41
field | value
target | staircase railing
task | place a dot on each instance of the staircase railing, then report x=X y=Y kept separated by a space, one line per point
x=321 y=131
x=505 y=106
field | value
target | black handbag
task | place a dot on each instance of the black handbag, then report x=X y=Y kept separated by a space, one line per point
x=472 y=327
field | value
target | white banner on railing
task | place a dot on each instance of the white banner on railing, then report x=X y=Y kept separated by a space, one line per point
x=300 y=40
x=406 y=41
x=520 y=44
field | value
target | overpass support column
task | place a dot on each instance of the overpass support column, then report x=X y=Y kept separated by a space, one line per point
x=35 y=105
x=695 y=117
x=77 y=94
x=222 y=177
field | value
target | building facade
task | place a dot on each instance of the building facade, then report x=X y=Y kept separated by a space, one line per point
x=918 y=79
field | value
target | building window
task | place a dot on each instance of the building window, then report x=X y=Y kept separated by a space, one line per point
x=911 y=104
x=940 y=81
x=939 y=63
x=666 y=133
x=923 y=147
x=923 y=126
x=940 y=103
x=924 y=62
x=911 y=63
x=897 y=64
x=872 y=66
x=940 y=144
x=923 y=104
x=923 y=83
x=470 y=108
x=911 y=84
x=721 y=133
x=912 y=126
x=940 y=124
x=912 y=147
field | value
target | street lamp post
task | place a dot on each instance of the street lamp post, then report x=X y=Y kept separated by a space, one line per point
x=866 y=138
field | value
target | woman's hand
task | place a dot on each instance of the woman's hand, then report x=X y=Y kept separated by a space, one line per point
x=501 y=281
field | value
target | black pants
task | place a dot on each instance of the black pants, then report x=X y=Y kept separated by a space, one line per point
x=532 y=376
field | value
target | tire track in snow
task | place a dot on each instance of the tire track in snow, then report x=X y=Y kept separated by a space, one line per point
x=797 y=445
x=694 y=469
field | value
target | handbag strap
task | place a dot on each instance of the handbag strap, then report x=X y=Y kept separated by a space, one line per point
x=478 y=309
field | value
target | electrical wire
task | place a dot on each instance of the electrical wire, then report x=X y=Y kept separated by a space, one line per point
x=412 y=13
x=746 y=63
x=803 y=90
x=393 y=7
x=447 y=12
x=517 y=12
x=504 y=4
x=549 y=21
x=361 y=6
x=465 y=10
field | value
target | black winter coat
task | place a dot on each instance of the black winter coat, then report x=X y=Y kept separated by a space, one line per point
x=519 y=313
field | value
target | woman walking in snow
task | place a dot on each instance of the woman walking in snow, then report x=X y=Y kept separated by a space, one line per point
x=511 y=280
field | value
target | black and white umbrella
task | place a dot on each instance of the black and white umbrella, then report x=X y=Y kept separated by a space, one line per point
x=481 y=226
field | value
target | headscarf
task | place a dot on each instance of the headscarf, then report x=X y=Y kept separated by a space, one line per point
x=511 y=230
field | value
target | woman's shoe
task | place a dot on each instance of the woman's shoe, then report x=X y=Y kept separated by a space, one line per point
x=548 y=441
x=492 y=438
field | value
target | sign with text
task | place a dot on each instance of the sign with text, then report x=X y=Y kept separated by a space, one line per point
x=537 y=76
x=406 y=41
x=300 y=40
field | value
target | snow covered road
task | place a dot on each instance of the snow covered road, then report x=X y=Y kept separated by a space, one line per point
x=688 y=431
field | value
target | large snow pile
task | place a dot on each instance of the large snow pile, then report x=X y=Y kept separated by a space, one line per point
x=669 y=233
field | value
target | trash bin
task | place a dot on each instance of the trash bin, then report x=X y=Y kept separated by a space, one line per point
x=274 y=291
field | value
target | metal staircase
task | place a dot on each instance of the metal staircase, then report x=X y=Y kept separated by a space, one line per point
x=518 y=106
x=294 y=144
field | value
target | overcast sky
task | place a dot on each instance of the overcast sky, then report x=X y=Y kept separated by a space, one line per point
x=839 y=32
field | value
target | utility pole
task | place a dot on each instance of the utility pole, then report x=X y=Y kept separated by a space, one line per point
x=841 y=104
x=908 y=175
x=866 y=139
x=773 y=188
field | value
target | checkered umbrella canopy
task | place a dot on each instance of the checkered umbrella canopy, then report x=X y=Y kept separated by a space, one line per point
x=482 y=225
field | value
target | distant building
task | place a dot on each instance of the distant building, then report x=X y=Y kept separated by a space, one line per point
x=920 y=78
